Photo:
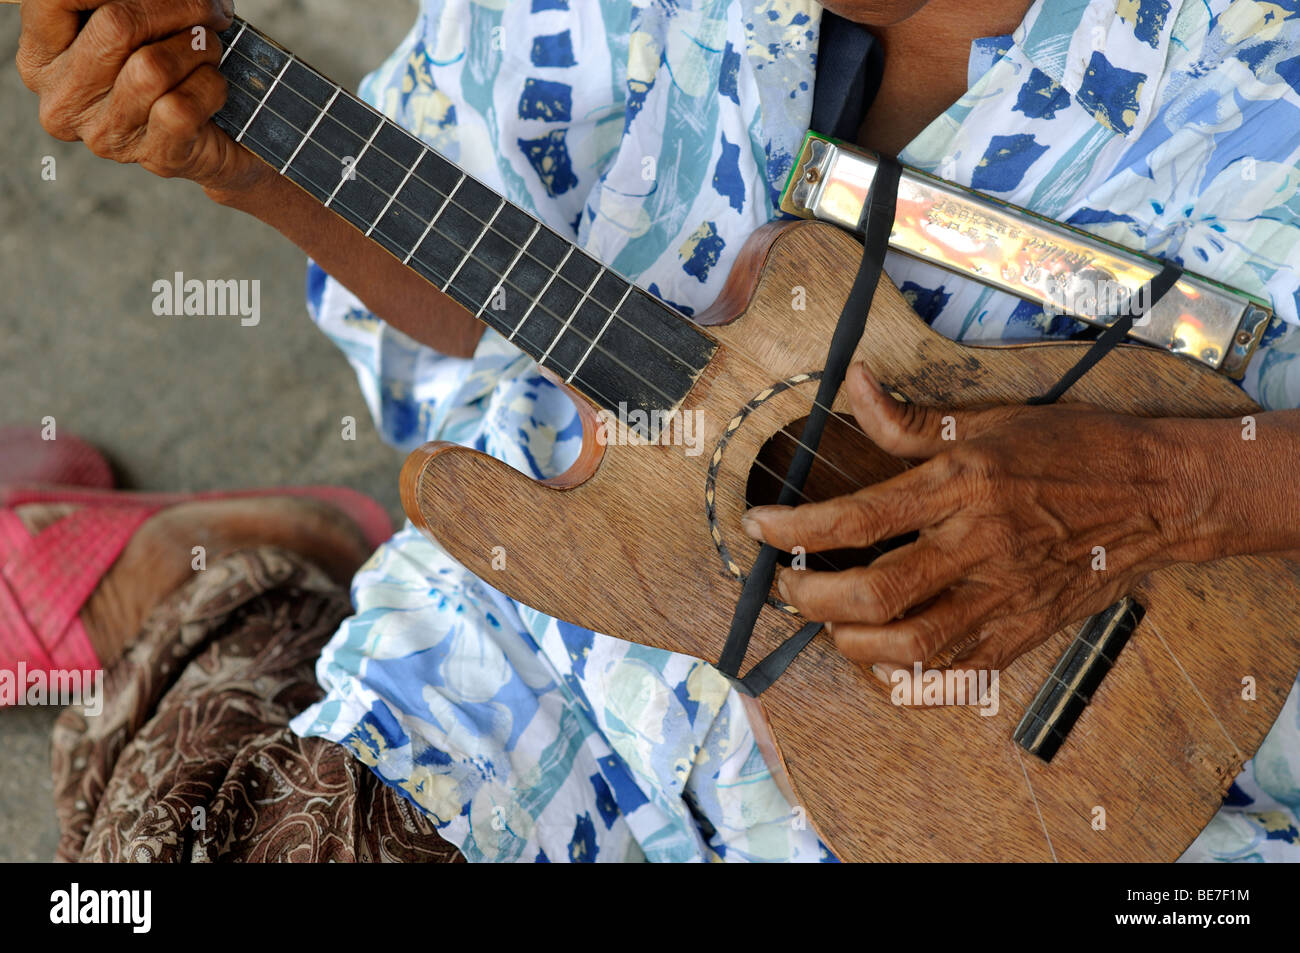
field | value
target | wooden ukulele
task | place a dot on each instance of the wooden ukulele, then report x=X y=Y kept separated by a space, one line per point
x=642 y=539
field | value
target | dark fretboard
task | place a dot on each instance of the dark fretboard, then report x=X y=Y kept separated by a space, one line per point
x=612 y=341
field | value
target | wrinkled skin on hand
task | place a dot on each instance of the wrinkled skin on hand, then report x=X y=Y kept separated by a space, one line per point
x=135 y=82
x=1010 y=511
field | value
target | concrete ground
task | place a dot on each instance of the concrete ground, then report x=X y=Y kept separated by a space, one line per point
x=176 y=403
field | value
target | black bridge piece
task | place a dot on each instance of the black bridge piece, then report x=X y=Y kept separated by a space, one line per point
x=1075 y=678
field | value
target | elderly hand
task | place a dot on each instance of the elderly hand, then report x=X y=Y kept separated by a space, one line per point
x=136 y=82
x=1029 y=518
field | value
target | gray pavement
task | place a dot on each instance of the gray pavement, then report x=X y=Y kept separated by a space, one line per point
x=177 y=403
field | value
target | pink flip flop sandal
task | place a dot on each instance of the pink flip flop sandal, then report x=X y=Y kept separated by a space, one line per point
x=45 y=579
x=27 y=457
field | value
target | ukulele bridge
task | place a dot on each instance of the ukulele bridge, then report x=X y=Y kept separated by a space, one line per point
x=1066 y=270
x=1075 y=678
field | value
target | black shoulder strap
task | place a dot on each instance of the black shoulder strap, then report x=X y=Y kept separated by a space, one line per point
x=876 y=224
x=1115 y=333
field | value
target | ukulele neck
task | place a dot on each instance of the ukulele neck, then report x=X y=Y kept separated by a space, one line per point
x=594 y=329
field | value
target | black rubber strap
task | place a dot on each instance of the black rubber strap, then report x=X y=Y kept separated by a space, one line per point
x=765 y=673
x=1113 y=335
x=876 y=225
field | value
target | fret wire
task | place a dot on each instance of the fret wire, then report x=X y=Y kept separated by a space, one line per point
x=505 y=275
x=573 y=314
x=656 y=343
x=470 y=253
x=262 y=102
x=310 y=129
x=506 y=281
x=393 y=198
x=542 y=294
x=438 y=214
x=612 y=314
x=226 y=52
x=343 y=177
x=533 y=304
x=599 y=334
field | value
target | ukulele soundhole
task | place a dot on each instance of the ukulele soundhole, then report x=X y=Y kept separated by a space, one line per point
x=846 y=462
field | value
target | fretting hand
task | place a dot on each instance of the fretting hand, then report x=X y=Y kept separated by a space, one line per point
x=137 y=82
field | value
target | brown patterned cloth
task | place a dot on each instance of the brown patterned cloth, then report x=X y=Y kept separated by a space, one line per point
x=192 y=758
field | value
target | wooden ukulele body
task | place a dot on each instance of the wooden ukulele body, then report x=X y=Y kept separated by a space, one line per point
x=623 y=544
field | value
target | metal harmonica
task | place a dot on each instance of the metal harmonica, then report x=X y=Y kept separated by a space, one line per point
x=1063 y=269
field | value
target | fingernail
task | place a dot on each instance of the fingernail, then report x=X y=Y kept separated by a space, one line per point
x=750 y=525
x=780 y=585
x=228 y=7
x=861 y=380
x=880 y=673
x=869 y=381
